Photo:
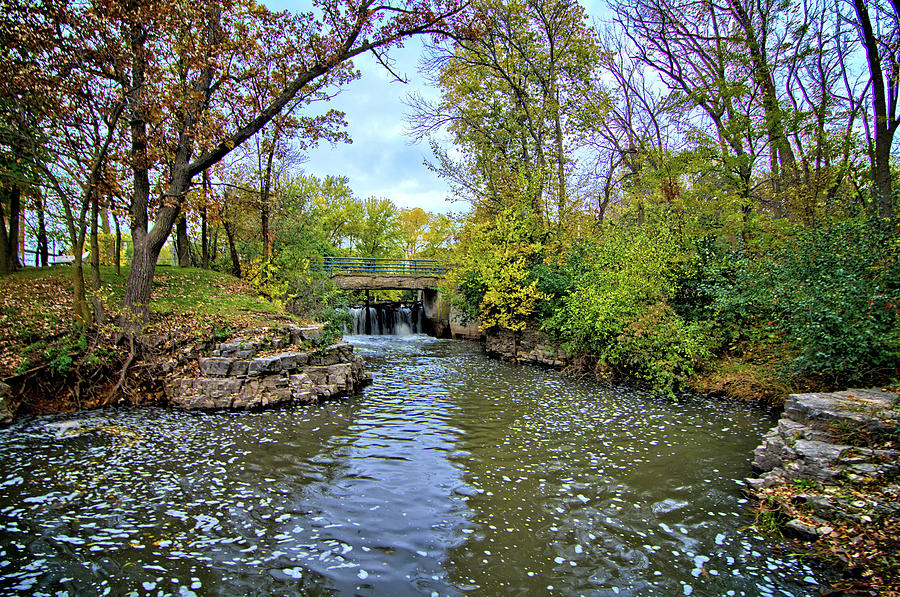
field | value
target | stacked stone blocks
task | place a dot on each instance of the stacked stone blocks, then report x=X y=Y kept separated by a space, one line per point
x=824 y=441
x=272 y=368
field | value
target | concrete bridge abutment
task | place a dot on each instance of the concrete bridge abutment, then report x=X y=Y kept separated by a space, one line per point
x=437 y=313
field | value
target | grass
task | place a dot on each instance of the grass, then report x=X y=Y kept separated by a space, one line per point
x=37 y=323
x=743 y=379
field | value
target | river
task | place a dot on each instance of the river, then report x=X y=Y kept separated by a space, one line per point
x=451 y=474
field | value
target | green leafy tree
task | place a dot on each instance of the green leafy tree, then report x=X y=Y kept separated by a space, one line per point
x=380 y=234
x=491 y=271
x=518 y=98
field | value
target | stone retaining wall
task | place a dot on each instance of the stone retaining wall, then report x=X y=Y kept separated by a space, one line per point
x=266 y=368
x=526 y=347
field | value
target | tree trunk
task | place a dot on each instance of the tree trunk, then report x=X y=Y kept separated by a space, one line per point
x=204 y=233
x=235 y=260
x=9 y=237
x=214 y=245
x=117 y=258
x=43 y=249
x=561 y=200
x=204 y=240
x=95 y=244
x=264 y=229
x=884 y=189
x=182 y=242
x=883 y=112
x=79 y=296
x=264 y=192
x=147 y=245
x=136 y=303
x=96 y=283
x=106 y=230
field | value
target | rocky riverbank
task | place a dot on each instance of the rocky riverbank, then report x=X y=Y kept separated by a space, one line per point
x=264 y=367
x=211 y=342
x=528 y=346
x=828 y=477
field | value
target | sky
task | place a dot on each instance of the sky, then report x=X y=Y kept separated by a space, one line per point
x=382 y=161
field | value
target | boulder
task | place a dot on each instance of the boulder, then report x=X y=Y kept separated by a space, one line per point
x=215 y=366
x=264 y=365
x=311 y=333
x=801 y=530
x=239 y=368
x=6 y=412
x=824 y=437
x=867 y=412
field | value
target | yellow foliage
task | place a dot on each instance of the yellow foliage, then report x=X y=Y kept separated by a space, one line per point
x=509 y=301
x=107 y=243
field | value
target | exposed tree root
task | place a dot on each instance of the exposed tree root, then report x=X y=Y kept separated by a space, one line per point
x=123 y=372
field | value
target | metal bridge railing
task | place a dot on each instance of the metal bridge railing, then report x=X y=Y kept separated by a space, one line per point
x=375 y=266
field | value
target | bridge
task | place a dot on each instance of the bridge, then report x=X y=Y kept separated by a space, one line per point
x=364 y=273
x=358 y=273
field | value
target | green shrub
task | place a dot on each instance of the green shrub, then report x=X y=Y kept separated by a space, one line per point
x=492 y=270
x=618 y=277
x=834 y=292
x=660 y=348
x=839 y=290
x=336 y=321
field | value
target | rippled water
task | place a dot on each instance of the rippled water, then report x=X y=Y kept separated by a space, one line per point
x=451 y=474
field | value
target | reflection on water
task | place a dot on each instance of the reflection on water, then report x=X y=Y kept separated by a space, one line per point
x=450 y=474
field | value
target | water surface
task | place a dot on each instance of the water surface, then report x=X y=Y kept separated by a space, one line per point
x=451 y=474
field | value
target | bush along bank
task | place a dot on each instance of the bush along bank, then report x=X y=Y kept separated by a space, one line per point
x=678 y=306
x=829 y=480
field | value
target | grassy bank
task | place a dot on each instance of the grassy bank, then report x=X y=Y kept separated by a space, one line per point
x=56 y=364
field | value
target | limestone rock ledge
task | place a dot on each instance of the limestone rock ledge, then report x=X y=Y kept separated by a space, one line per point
x=525 y=347
x=267 y=368
x=6 y=413
x=822 y=443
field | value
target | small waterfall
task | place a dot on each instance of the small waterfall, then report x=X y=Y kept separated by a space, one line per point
x=388 y=319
